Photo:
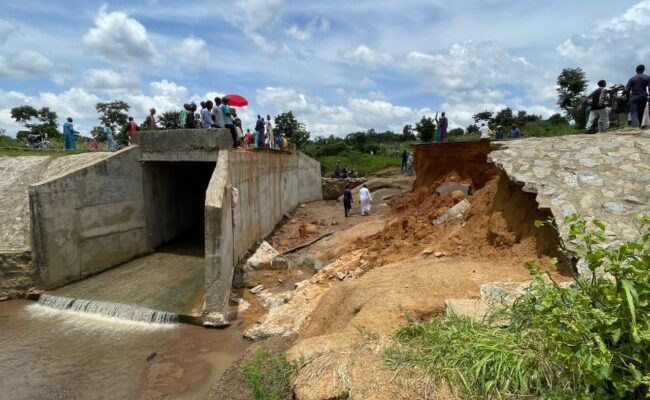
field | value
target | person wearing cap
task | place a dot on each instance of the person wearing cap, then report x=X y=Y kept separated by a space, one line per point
x=499 y=133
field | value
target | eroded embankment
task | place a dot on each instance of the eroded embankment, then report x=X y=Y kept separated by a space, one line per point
x=341 y=319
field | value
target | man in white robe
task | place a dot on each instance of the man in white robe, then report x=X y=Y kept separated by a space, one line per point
x=365 y=200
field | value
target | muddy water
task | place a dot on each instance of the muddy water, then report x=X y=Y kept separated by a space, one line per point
x=51 y=354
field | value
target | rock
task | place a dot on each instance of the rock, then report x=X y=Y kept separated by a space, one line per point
x=263 y=256
x=302 y=284
x=333 y=188
x=456 y=211
x=243 y=306
x=428 y=251
x=457 y=196
x=271 y=300
x=257 y=289
x=503 y=292
x=311 y=264
x=439 y=254
x=340 y=275
x=215 y=320
x=615 y=208
x=280 y=263
x=449 y=187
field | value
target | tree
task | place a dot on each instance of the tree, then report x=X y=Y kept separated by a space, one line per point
x=483 y=116
x=98 y=133
x=407 y=133
x=288 y=125
x=456 y=132
x=503 y=117
x=113 y=114
x=170 y=120
x=41 y=121
x=557 y=119
x=473 y=128
x=571 y=86
x=426 y=128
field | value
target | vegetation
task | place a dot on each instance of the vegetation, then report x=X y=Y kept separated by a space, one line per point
x=426 y=129
x=294 y=129
x=170 y=120
x=269 y=375
x=590 y=340
x=571 y=86
x=41 y=121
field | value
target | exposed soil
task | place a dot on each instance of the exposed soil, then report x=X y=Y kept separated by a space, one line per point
x=398 y=266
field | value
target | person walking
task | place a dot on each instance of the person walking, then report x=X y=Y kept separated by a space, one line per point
x=365 y=200
x=68 y=135
x=347 y=200
x=405 y=156
x=637 y=87
x=599 y=102
x=485 y=131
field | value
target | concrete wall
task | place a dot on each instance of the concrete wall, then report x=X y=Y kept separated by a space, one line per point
x=183 y=144
x=88 y=220
x=269 y=184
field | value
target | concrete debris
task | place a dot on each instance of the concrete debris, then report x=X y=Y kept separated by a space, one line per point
x=456 y=211
x=280 y=263
x=257 y=289
x=457 y=196
x=243 y=306
x=263 y=257
x=270 y=300
x=503 y=292
x=449 y=187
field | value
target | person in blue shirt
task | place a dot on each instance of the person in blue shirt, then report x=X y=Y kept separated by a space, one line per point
x=499 y=133
x=110 y=142
x=68 y=135
x=206 y=115
x=515 y=133
x=227 y=120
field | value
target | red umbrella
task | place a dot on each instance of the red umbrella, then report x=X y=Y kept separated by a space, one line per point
x=236 y=100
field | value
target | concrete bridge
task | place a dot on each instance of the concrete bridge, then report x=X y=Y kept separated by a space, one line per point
x=107 y=208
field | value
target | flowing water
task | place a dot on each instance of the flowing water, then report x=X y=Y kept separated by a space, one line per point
x=47 y=353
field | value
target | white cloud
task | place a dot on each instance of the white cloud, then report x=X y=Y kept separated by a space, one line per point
x=323 y=119
x=192 y=53
x=25 y=63
x=109 y=79
x=366 y=56
x=612 y=49
x=321 y=25
x=6 y=30
x=119 y=37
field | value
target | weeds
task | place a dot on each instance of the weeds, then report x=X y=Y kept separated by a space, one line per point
x=590 y=340
x=269 y=375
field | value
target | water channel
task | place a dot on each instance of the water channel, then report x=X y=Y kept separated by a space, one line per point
x=50 y=350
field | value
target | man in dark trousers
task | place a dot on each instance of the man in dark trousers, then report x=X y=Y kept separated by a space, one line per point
x=637 y=87
x=405 y=157
x=347 y=200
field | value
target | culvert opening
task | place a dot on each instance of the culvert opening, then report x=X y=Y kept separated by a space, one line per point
x=175 y=202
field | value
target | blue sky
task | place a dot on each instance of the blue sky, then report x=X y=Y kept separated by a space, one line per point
x=340 y=66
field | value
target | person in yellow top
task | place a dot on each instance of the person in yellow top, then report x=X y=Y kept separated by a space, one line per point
x=285 y=142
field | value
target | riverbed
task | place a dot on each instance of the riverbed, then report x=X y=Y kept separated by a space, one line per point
x=55 y=354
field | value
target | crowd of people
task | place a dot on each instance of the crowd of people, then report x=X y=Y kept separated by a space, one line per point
x=212 y=115
x=619 y=104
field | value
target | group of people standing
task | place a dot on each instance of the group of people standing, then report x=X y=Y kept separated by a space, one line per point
x=629 y=102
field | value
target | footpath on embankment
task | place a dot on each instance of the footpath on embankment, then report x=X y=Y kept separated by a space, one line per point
x=464 y=231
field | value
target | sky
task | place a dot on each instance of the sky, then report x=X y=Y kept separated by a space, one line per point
x=340 y=66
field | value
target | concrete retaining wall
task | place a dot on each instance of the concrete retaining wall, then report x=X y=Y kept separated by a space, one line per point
x=183 y=144
x=268 y=185
x=88 y=220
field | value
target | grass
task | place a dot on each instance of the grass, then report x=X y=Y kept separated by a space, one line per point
x=10 y=147
x=485 y=362
x=269 y=374
x=363 y=163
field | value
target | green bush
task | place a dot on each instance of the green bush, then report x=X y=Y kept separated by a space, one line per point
x=590 y=340
x=269 y=375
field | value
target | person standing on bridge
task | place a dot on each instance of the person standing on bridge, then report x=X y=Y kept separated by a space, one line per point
x=347 y=200
x=259 y=132
x=637 y=87
x=269 y=132
x=68 y=135
x=110 y=142
x=131 y=129
x=217 y=115
x=442 y=128
x=228 y=120
x=206 y=114
x=150 y=121
x=365 y=200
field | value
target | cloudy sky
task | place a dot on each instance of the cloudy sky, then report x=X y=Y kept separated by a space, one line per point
x=341 y=66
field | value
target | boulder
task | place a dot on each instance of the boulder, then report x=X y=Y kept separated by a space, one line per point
x=280 y=263
x=456 y=211
x=263 y=257
x=333 y=188
x=257 y=289
x=270 y=300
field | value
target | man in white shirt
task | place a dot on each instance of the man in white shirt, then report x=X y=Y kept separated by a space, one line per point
x=269 y=132
x=485 y=131
x=365 y=200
